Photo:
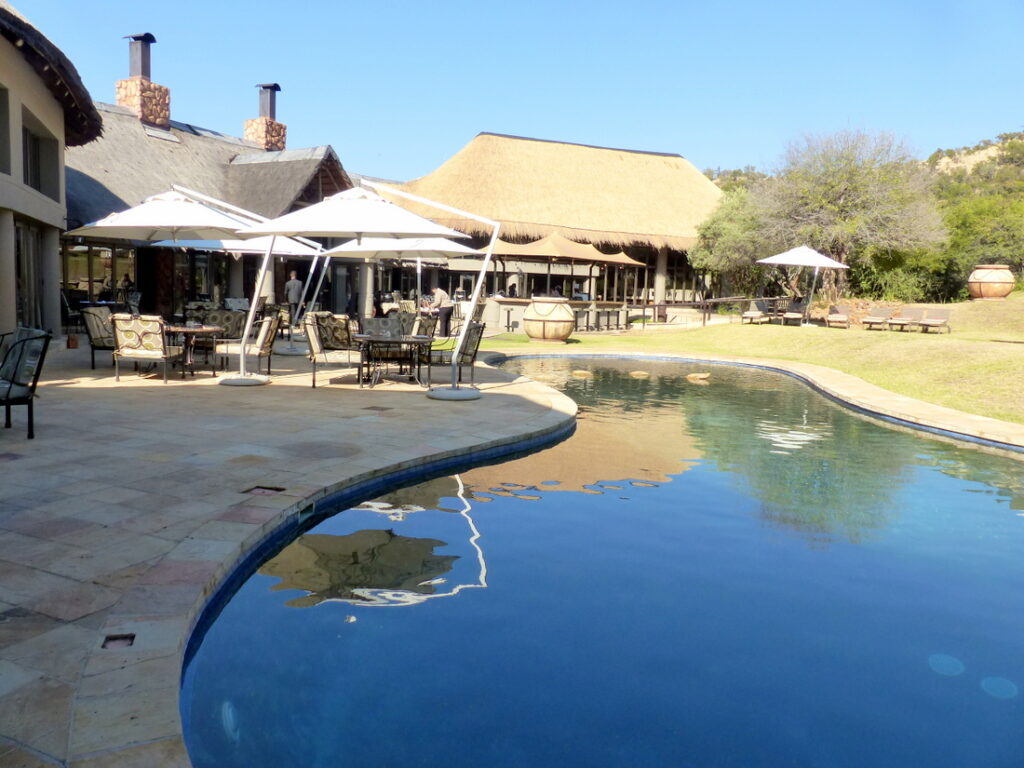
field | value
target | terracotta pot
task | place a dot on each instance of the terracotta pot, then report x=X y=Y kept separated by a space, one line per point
x=990 y=281
x=549 y=319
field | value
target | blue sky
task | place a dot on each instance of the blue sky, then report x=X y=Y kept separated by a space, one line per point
x=398 y=87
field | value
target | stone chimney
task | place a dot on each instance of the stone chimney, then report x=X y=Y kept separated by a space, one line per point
x=149 y=101
x=265 y=130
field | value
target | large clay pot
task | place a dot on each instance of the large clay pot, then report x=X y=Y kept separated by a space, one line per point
x=990 y=281
x=549 y=319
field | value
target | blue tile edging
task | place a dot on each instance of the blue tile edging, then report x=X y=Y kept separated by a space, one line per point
x=294 y=524
x=498 y=357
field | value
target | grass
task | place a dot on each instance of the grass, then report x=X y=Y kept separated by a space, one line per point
x=978 y=368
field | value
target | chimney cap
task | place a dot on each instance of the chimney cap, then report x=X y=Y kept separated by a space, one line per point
x=143 y=37
x=269 y=86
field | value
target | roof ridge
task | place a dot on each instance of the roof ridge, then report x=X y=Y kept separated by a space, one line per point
x=579 y=144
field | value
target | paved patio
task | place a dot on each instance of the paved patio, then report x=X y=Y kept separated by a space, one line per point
x=133 y=501
x=131 y=504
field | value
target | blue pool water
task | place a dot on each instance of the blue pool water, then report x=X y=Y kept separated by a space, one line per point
x=737 y=573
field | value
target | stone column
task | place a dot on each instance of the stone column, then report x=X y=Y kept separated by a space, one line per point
x=366 y=289
x=49 y=269
x=8 y=276
x=660 y=275
x=236 y=279
x=268 y=283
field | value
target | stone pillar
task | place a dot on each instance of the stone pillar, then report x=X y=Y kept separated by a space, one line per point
x=268 y=283
x=236 y=279
x=8 y=273
x=49 y=272
x=366 y=289
x=660 y=275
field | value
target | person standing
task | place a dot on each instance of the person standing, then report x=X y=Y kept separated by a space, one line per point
x=293 y=295
x=443 y=304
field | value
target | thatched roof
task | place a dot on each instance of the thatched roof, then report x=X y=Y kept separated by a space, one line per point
x=554 y=246
x=82 y=122
x=133 y=161
x=591 y=194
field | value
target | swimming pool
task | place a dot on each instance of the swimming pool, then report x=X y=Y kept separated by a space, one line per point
x=723 y=572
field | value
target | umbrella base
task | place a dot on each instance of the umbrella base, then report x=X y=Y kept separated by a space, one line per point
x=248 y=380
x=453 y=393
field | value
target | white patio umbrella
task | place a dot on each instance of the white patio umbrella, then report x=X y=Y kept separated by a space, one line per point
x=285 y=246
x=417 y=248
x=167 y=216
x=804 y=256
x=354 y=213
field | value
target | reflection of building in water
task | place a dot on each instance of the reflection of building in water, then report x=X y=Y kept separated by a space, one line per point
x=651 y=450
x=375 y=566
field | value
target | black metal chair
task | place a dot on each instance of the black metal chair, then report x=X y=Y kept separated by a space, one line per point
x=19 y=372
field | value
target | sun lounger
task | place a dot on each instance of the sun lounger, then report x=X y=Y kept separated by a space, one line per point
x=794 y=313
x=935 y=318
x=838 y=315
x=908 y=317
x=757 y=313
x=878 y=319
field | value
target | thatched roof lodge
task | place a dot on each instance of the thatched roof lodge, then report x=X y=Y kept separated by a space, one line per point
x=590 y=194
x=650 y=203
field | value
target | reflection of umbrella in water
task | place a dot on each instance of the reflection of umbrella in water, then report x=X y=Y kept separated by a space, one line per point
x=355 y=567
x=373 y=567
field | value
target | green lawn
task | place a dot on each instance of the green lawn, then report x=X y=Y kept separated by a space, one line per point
x=978 y=368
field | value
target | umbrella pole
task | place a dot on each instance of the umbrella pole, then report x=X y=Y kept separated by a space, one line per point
x=323 y=272
x=419 y=281
x=305 y=289
x=244 y=378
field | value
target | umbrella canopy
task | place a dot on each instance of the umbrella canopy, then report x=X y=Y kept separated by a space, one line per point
x=402 y=248
x=353 y=213
x=802 y=256
x=284 y=246
x=167 y=216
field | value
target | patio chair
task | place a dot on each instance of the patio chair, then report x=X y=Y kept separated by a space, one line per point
x=441 y=353
x=72 y=317
x=335 y=331
x=19 y=372
x=795 y=312
x=838 y=315
x=390 y=325
x=312 y=326
x=233 y=323
x=99 y=330
x=906 y=317
x=263 y=346
x=937 y=318
x=425 y=325
x=757 y=313
x=407 y=320
x=141 y=339
x=878 y=319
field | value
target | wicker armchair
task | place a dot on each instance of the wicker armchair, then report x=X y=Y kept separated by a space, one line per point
x=141 y=339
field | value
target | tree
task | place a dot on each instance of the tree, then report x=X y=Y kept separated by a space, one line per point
x=852 y=196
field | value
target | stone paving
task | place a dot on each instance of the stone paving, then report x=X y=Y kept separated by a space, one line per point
x=130 y=505
x=133 y=502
